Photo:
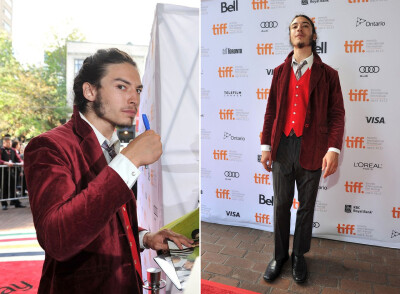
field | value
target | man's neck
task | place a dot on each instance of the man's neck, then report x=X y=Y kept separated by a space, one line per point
x=103 y=126
x=300 y=54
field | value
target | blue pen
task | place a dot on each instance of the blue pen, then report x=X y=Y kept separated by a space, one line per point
x=146 y=122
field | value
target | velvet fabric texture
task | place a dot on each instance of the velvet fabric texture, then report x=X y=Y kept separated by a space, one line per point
x=75 y=197
x=324 y=122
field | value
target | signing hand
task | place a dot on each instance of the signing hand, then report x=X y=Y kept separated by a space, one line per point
x=158 y=241
x=330 y=163
x=144 y=149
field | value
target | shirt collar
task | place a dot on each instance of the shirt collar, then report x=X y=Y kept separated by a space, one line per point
x=309 y=59
x=99 y=136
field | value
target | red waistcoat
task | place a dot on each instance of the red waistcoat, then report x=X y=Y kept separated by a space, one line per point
x=297 y=103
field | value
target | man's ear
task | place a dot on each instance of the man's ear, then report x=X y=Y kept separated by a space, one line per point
x=315 y=36
x=89 y=91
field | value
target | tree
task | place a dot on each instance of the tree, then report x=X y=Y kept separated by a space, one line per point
x=30 y=103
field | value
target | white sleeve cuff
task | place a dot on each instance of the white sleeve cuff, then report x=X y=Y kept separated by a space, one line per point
x=265 y=148
x=126 y=169
x=334 y=150
x=141 y=237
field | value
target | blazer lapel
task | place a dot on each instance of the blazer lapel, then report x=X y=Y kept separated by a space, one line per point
x=316 y=73
x=90 y=145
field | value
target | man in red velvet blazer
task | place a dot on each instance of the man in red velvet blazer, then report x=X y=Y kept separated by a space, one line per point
x=302 y=133
x=77 y=185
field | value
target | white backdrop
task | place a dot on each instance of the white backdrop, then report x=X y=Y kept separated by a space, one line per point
x=168 y=189
x=242 y=42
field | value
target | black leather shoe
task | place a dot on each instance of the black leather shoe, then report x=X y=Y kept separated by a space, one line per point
x=274 y=268
x=299 y=269
x=5 y=207
x=19 y=205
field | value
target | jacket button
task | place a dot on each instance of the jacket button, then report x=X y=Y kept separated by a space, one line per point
x=306 y=125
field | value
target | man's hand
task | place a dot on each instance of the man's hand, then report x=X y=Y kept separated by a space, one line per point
x=158 y=241
x=144 y=149
x=9 y=164
x=266 y=160
x=330 y=163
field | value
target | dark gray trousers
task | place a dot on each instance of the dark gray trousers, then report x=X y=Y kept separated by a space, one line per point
x=286 y=170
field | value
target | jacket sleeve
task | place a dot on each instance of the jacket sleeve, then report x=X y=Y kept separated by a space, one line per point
x=270 y=112
x=336 y=112
x=66 y=218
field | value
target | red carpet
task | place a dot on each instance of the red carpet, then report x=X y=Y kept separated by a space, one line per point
x=20 y=276
x=208 y=287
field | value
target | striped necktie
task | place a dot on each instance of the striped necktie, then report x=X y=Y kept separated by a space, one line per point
x=299 y=67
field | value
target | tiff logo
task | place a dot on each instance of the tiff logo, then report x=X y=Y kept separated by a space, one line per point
x=355 y=142
x=262 y=218
x=354 y=46
x=265 y=49
x=261 y=179
x=358 y=95
x=223 y=194
x=220 y=154
x=226 y=114
x=260 y=4
x=346 y=229
x=396 y=212
x=225 y=72
x=220 y=29
x=355 y=187
x=233 y=7
x=262 y=94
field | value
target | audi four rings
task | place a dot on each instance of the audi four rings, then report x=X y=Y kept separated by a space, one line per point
x=316 y=225
x=369 y=69
x=268 y=24
x=231 y=174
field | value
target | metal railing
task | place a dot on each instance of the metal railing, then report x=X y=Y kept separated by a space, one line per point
x=12 y=182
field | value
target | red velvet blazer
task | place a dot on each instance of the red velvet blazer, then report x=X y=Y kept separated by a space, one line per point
x=324 y=123
x=75 y=197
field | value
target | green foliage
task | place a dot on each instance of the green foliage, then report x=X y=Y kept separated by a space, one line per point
x=33 y=99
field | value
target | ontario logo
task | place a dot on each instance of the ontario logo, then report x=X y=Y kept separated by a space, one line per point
x=363 y=22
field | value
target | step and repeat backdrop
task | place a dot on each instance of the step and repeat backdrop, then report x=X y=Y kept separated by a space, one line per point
x=241 y=44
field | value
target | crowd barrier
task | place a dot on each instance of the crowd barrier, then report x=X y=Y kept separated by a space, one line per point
x=12 y=182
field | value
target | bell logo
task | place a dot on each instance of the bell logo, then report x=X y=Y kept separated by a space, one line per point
x=354 y=46
x=358 y=1
x=225 y=72
x=260 y=4
x=222 y=194
x=358 y=95
x=355 y=187
x=396 y=213
x=261 y=179
x=220 y=155
x=226 y=114
x=346 y=229
x=265 y=49
x=262 y=94
x=220 y=29
x=355 y=142
x=262 y=218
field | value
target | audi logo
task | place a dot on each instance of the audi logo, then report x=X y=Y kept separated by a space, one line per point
x=231 y=174
x=369 y=69
x=316 y=225
x=268 y=24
